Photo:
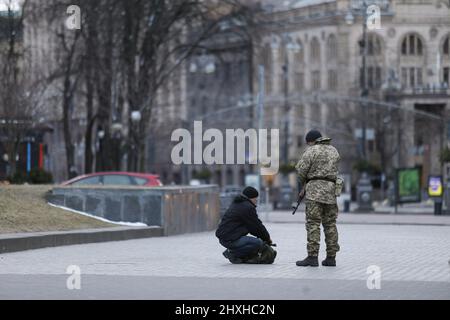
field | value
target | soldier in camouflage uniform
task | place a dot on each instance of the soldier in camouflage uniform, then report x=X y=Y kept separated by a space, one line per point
x=317 y=173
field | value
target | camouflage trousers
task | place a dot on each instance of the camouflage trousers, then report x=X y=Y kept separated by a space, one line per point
x=317 y=213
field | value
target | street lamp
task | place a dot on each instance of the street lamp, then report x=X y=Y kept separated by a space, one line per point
x=204 y=63
x=289 y=45
x=293 y=46
x=99 y=149
x=364 y=187
x=135 y=120
x=136 y=116
x=201 y=64
x=350 y=19
x=391 y=88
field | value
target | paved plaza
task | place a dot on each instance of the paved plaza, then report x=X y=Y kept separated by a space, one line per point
x=413 y=261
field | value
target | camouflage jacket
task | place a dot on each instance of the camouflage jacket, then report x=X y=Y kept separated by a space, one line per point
x=319 y=160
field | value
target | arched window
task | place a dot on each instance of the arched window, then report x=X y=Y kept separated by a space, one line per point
x=300 y=54
x=374 y=63
x=412 y=68
x=314 y=53
x=332 y=48
x=446 y=46
x=412 y=46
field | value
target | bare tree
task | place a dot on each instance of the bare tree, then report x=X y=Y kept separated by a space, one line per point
x=19 y=96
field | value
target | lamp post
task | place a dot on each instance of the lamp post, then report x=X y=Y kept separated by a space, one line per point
x=135 y=120
x=392 y=87
x=203 y=64
x=289 y=45
x=116 y=131
x=99 y=158
x=364 y=186
x=349 y=18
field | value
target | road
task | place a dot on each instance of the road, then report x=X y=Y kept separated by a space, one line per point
x=412 y=260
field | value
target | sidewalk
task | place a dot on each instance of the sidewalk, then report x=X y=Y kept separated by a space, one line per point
x=405 y=216
x=412 y=260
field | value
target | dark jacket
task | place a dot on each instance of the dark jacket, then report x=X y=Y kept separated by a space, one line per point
x=239 y=220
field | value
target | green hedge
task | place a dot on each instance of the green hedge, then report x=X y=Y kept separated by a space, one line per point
x=36 y=176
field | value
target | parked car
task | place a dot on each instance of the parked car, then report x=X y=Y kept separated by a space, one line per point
x=116 y=178
x=197 y=182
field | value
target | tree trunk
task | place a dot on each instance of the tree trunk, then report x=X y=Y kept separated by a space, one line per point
x=70 y=149
x=88 y=156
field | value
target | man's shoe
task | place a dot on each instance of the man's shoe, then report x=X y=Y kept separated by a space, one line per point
x=329 y=262
x=309 y=261
x=235 y=260
x=227 y=254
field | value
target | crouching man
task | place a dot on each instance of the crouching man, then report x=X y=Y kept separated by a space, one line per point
x=239 y=220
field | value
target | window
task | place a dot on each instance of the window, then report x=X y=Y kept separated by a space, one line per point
x=299 y=56
x=140 y=181
x=115 y=179
x=299 y=81
x=412 y=46
x=412 y=77
x=373 y=77
x=446 y=75
x=332 y=79
x=419 y=76
x=446 y=48
x=315 y=78
x=87 y=181
x=314 y=55
x=404 y=77
x=332 y=48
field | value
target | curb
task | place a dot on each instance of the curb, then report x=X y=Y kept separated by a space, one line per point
x=374 y=223
x=28 y=241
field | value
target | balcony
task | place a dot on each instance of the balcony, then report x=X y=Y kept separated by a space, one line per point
x=431 y=90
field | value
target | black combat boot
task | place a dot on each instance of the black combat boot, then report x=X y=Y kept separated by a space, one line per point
x=308 y=261
x=329 y=262
x=227 y=254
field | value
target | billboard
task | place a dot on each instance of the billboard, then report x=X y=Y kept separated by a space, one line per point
x=435 y=186
x=408 y=185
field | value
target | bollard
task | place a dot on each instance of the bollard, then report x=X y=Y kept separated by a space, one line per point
x=437 y=208
x=346 y=205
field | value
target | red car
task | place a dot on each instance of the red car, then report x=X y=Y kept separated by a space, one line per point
x=116 y=178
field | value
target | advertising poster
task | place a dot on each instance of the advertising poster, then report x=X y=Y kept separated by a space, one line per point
x=408 y=181
x=435 y=186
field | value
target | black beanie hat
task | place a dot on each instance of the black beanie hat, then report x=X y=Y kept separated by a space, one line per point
x=313 y=135
x=250 y=192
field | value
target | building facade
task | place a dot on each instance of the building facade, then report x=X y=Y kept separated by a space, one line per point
x=405 y=108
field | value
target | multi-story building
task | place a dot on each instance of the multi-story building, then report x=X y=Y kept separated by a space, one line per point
x=319 y=45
